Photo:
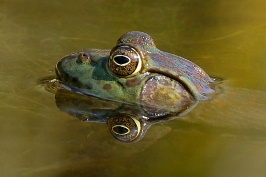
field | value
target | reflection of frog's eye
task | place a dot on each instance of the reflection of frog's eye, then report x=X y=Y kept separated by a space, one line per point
x=124 y=127
x=125 y=61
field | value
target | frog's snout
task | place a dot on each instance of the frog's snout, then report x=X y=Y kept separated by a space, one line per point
x=58 y=74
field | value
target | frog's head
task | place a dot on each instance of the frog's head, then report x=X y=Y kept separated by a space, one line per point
x=136 y=72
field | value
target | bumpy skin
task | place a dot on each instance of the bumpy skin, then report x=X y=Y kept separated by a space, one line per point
x=162 y=83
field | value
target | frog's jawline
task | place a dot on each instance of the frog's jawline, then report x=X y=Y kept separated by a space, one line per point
x=196 y=96
x=77 y=91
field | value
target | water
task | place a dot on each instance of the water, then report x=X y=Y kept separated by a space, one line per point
x=222 y=137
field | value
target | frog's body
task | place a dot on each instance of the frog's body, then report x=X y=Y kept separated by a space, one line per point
x=136 y=72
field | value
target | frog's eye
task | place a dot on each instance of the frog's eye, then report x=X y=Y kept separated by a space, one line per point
x=125 y=61
x=124 y=127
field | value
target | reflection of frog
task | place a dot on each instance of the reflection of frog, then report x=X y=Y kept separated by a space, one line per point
x=234 y=112
x=126 y=123
x=136 y=72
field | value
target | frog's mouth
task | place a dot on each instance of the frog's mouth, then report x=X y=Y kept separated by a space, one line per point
x=57 y=73
x=61 y=76
x=64 y=77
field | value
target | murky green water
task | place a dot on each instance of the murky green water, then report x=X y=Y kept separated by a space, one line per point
x=220 y=138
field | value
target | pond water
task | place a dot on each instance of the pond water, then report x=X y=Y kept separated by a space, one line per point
x=222 y=137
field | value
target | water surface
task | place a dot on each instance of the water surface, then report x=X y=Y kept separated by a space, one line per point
x=222 y=137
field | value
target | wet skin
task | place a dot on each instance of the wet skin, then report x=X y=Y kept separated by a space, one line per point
x=136 y=72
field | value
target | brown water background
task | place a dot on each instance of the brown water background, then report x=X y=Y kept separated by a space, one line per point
x=221 y=138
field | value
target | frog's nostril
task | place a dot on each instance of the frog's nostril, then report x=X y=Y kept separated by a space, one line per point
x=83 y=58
x=85 y=55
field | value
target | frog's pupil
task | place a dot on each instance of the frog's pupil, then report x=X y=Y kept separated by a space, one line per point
x=121 y=60
x=121 y=130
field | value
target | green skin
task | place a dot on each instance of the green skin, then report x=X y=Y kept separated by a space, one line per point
x=162 y=83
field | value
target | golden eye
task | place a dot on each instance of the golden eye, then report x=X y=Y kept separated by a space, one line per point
x=125 y=128
x=125 y=61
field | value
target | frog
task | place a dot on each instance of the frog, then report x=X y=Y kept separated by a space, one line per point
x=137 y=73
